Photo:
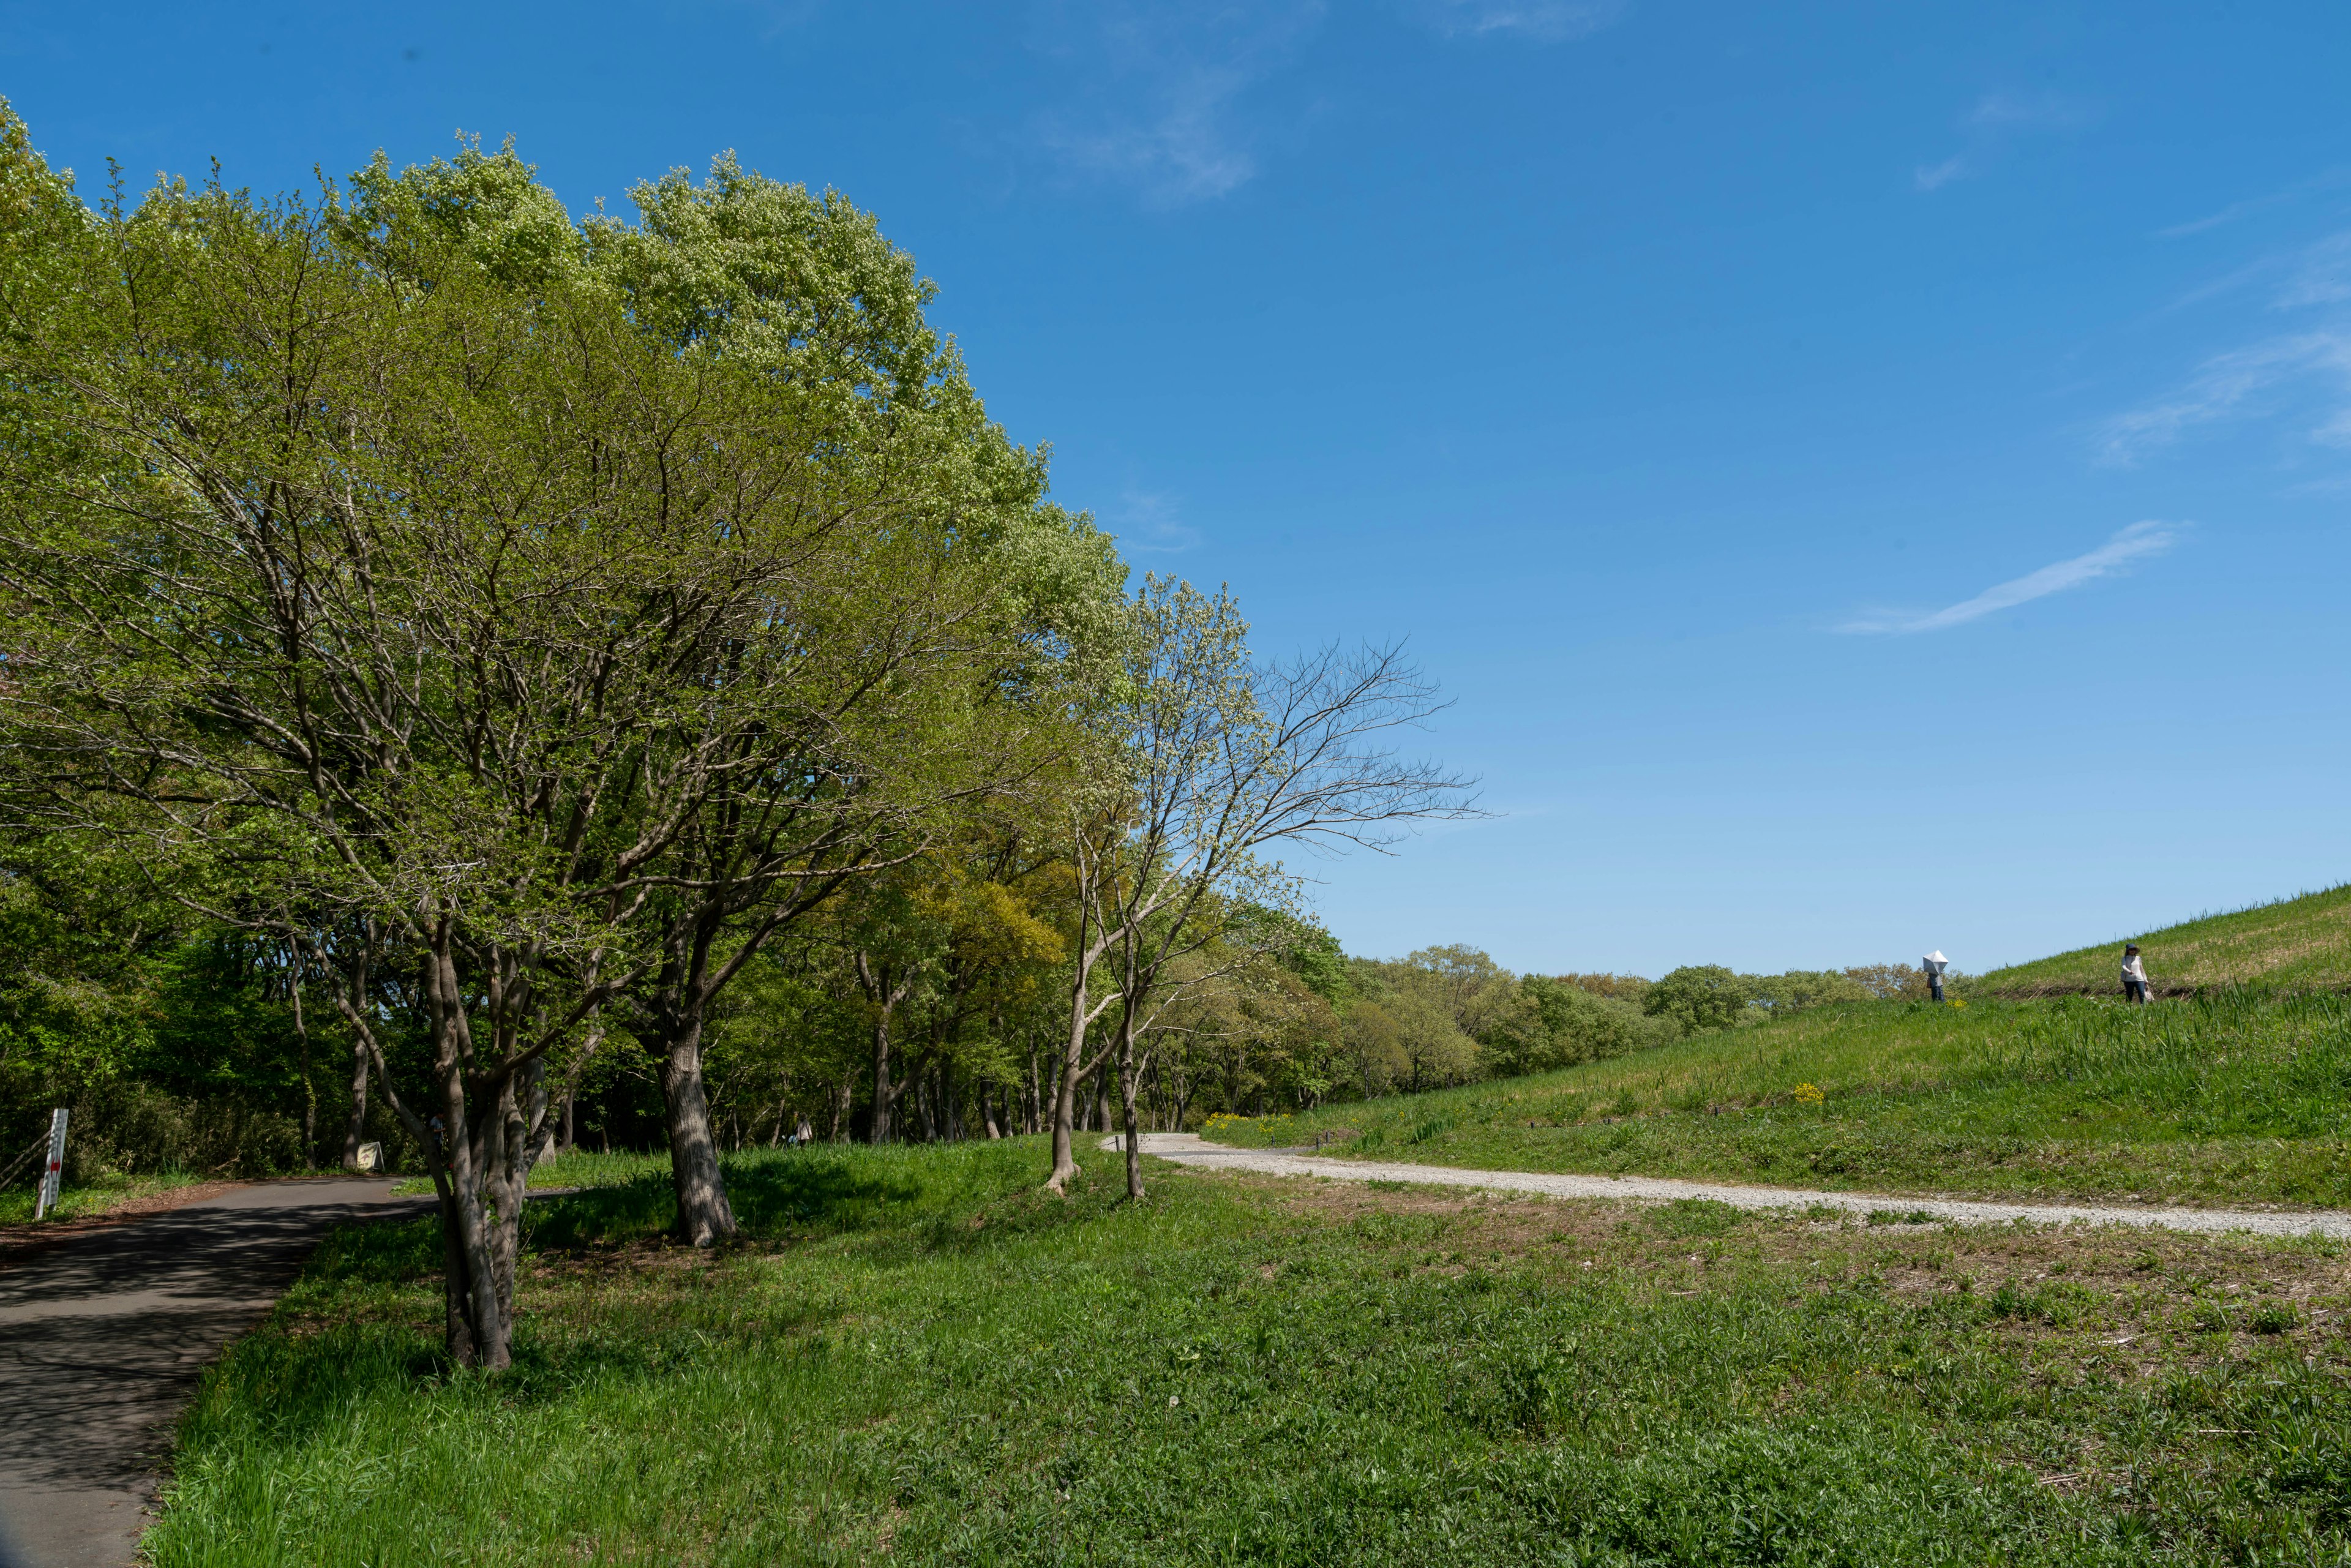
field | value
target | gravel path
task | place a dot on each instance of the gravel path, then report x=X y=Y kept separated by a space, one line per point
x=1184 y=1148
x=102 y=1337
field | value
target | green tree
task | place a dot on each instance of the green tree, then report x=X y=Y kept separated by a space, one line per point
x=1700 y=996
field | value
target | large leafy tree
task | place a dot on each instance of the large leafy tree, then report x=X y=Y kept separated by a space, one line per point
x=969 y=591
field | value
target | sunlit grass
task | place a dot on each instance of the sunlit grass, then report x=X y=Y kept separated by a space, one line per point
x=98 y=1196
x=2297 y=942
x=922 y=1357
x=2239 y=1096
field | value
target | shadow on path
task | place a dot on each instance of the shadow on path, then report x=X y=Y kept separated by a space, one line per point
x=102 y=1339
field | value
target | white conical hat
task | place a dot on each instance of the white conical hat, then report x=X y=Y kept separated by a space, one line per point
x=1936 y=958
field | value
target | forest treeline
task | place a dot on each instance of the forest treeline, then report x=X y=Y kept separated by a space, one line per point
x=481 y=680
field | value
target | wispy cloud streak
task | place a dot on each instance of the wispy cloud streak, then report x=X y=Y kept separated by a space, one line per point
x=1162 y=108
x=2302 y=375
x=2231 y=384
x=1996 y=118
x=1152 y=523
x=2131 y=544
x=1545 y=21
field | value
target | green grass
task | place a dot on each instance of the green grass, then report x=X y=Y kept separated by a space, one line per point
x=2232 y=1097
x=2294 y=942
x=85 y=1200
x=920 y=1355
x=580 y=1167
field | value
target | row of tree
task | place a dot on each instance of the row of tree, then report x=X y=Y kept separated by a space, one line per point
x=499 y=634
x=496 y=680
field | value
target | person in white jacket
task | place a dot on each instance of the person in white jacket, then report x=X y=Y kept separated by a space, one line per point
x=2134 y=975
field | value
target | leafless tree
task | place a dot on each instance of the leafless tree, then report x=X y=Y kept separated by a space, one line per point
x=1207 y=764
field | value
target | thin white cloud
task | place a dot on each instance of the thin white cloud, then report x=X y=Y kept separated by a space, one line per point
x=2229 y=214
x=2304 y=376
x=1544 y=21
x=1189 y=152
x=2237 y=384
x=1928 y=177
x=1159 y=104
x=2321 y=274
x=1993 y=120
x=2131 y=544
x=1150 y=522
x=2028 y=112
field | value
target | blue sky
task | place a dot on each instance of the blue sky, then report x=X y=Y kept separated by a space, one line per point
x=1872 y=477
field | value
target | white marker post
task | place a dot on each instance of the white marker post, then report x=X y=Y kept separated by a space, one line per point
x=52 y=1174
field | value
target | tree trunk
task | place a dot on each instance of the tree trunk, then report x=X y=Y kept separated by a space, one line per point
x=1065 y=1096
x=355 y=1128
x=309 y=1083
x=881 y=1095
x=681 y=997
x=885 y=996
x=704 y=1215
x=1126 y=1103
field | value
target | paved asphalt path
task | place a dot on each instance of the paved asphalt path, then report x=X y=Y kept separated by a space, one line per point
x=1184 y=1148
x=103 y=1335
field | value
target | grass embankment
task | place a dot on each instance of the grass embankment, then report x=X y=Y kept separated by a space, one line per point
x=921 y=1355
x=2293 y=942
x=2231 y=1097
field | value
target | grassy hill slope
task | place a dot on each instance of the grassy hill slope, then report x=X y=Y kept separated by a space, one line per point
x=2235 y=1090
x=2235 y=1097
x=2303 y=941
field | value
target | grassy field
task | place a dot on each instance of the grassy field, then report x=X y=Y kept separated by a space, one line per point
x=2235 y=1097
x=2295 y=942
x=919 y=1357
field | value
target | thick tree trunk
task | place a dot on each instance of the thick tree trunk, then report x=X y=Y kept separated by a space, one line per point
x=704 y=1215
x=682 y=995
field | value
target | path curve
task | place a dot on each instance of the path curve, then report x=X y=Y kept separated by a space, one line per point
x=103 y=1335
x=1188 y=1149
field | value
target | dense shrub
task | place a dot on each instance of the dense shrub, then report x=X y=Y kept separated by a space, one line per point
x=1550 y=1024
x=1700 y=996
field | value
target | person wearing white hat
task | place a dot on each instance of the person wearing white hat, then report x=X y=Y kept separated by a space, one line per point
x=1934 y=964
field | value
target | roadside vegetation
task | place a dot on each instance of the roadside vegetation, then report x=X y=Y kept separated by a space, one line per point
x=913 y=1353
